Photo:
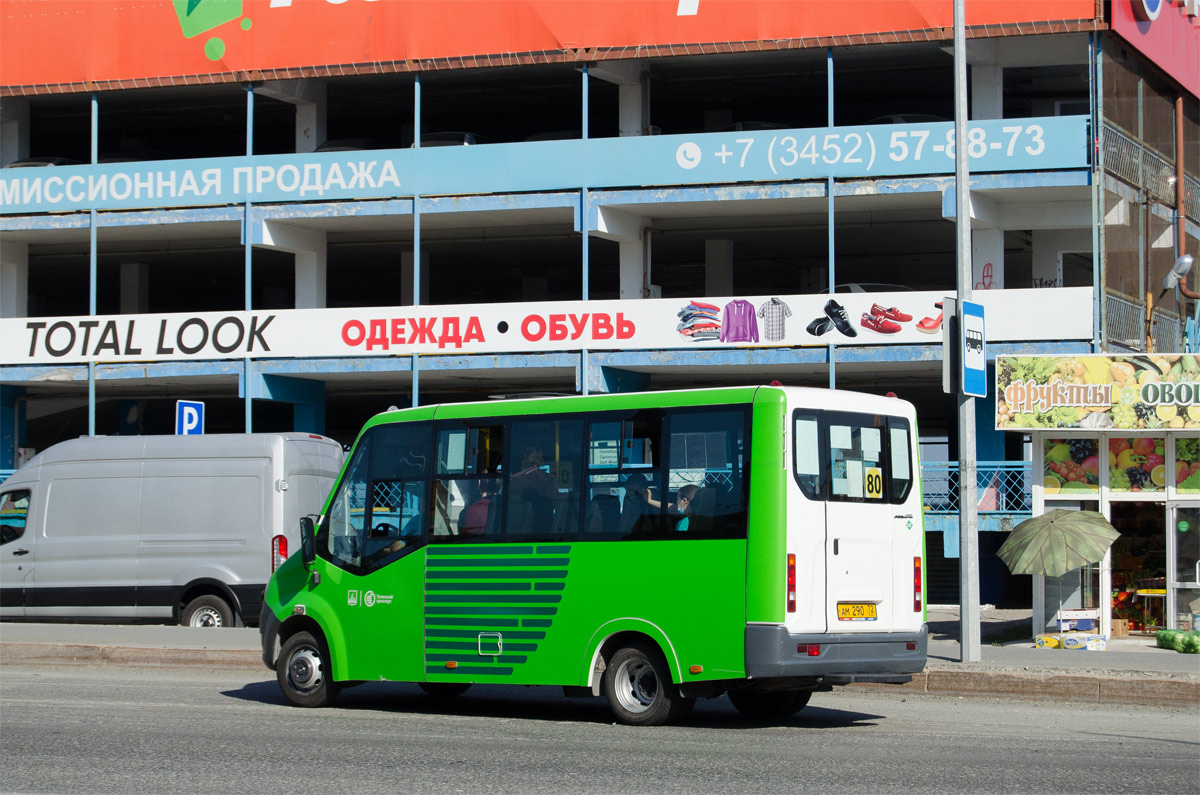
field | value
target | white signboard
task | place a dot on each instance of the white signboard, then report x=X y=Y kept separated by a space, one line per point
x=869 y=319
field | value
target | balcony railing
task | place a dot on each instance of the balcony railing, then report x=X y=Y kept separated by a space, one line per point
x=1004 y=491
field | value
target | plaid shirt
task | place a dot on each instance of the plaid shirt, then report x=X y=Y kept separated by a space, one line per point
x=774 y=314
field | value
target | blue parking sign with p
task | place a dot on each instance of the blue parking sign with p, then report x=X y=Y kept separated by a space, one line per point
x=189 y=417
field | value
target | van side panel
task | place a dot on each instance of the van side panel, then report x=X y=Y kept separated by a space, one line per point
x=202 y=518
x=86 y=549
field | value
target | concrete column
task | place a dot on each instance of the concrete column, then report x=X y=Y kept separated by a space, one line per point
x=135 y=288
x=631 y=95
x=987 y=92
x=309 y=248
x=629 y=110
x=1048 y=244
x=310 y=279
x=14 y=130
x=309 y=98
x=14 y=279
x=406 y=278
x=987 y=258
x=718 y=267
x=635 y=271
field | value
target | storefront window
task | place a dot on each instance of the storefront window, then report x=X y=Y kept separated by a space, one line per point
x=1137 y=464
x=1071 y=466
x=1187 y=466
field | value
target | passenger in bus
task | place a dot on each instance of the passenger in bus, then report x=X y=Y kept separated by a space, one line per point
x=531 y=493
x=683 y=499
x=639 y=502
x=475 y=517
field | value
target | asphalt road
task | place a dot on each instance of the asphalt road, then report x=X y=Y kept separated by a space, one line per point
x=121 y=729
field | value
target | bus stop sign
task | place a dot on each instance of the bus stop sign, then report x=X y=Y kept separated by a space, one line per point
x=974 y=350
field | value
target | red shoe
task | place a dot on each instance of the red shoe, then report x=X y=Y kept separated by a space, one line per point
x=879 y=323
x=890 y=312
x=930 y=325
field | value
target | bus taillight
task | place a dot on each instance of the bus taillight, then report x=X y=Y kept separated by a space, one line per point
x=916 y=585
x=279 y=551
x=791 y=584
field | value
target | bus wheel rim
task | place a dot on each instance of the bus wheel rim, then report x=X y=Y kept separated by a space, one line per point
x=637 y=685
x=304 y=670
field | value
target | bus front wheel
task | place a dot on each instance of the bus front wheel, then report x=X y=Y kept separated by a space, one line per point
x=303 y=672
x=637 y=684
x=758 y=705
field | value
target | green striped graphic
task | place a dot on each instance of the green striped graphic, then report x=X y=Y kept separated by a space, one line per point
x=494 y=600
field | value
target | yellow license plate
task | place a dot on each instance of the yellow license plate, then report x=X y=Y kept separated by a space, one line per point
x=856 y=611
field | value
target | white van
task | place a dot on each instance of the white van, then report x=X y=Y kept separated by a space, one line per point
x=187 y=528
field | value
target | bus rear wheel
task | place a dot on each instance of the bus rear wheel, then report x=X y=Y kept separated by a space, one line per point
x=303 y=672
x=637 y=684
x=757 y=705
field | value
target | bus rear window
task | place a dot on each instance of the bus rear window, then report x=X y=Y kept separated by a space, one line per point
x=851 y=457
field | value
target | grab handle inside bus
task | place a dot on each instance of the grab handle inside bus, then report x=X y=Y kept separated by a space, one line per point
x=308 y=541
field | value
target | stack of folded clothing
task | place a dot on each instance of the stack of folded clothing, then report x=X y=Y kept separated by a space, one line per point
x=700 y=321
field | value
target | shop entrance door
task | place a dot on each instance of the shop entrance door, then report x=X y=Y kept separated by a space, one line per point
x=1183 y=567
x=1139 y=563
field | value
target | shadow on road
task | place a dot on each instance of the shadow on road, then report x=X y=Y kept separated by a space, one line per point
x=543 y=704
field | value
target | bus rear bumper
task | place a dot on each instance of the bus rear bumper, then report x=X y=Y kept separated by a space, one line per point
x=772 y=651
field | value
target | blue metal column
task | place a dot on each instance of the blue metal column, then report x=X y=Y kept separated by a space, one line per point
x=829 y=200
x=12 y=424
x=92 y=268
x=416 y=211
x=1094 y=96
x=248 y=252
x=583 y=227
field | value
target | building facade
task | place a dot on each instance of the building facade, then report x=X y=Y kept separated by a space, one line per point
x=301 y=213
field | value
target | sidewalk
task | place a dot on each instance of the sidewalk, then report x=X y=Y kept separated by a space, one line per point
x=1130 y=671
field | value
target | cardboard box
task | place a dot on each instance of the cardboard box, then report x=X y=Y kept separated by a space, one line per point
x=1078 y=625
x=1120 y=628
x=1048 y=641
x=1083 y=641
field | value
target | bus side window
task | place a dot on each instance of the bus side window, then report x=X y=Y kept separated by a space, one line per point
x=376 y=516
x=900 y=481
x=707 y=452
x=546 y=468
x=806 y=441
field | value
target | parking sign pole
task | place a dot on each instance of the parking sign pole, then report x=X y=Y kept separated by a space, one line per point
x=968 y=563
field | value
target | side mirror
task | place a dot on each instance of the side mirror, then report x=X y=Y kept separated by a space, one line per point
x=308 y=541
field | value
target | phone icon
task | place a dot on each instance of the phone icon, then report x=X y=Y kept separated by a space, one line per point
x=687 y=155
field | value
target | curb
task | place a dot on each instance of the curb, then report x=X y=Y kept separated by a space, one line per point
x=1031 y=686
x=1028 y=686
x=83 y=654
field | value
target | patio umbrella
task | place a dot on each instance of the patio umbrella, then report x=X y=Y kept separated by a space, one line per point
x=1057 y=542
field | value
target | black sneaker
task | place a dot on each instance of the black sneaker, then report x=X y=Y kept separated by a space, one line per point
x=819 y=326
x=837 y=313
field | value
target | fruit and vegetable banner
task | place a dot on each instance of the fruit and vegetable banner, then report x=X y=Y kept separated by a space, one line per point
x=1147 y=392
x=1074 y=467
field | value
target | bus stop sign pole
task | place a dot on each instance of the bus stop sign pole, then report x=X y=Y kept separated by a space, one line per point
x=968 y=563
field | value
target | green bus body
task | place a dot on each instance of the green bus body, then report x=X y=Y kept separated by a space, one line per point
x=541 y=612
